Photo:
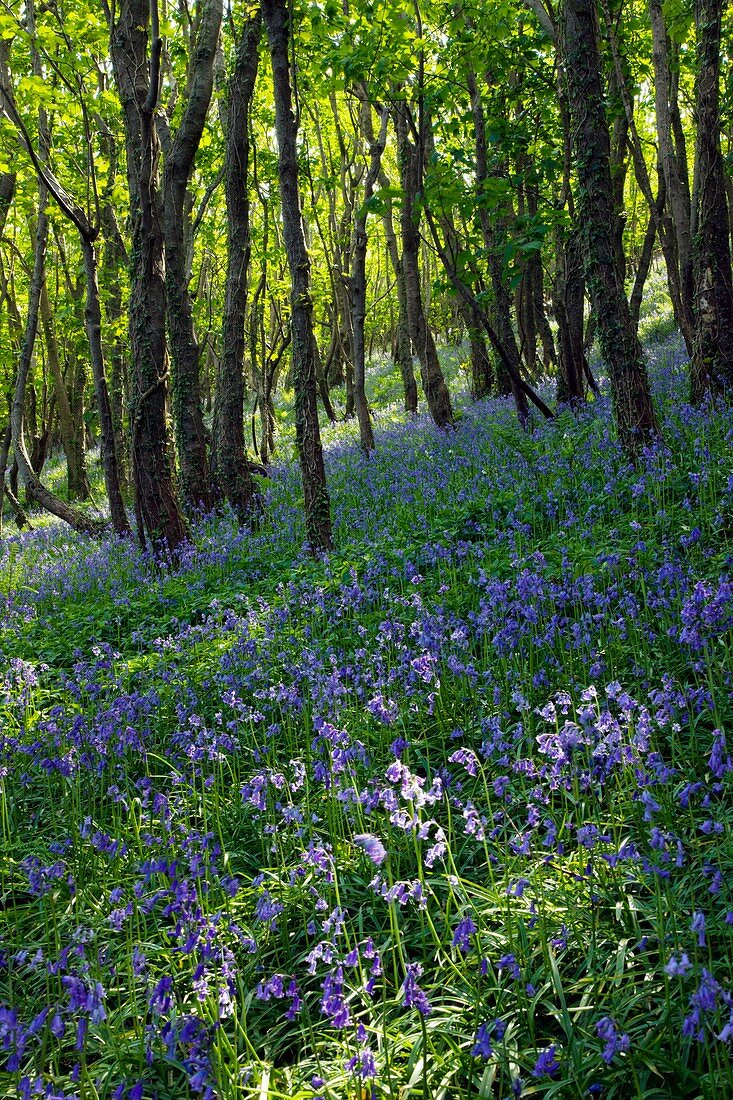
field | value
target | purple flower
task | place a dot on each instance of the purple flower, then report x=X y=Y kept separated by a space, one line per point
x=372 y=846
x=719 y=759
x=678 y=967
x=267 y=909
x=509 y=962
x=333 y=1001
x=462 y=934
x=614 y=1043
x=160 y=998
x=698 y=927
x=413 y=994
x=546 y=1064
x=482 y=1047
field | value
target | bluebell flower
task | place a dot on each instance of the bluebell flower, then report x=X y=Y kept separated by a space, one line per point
x=546 y=1064
x=697 y=926
x=613 y=1042
x=462 y=934
x=372 y=846
x=413 y=995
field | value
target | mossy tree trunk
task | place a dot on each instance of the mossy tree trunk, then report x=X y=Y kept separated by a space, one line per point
x=137 y=77
x=712 y=360
x=596 y=218
x=72 y=441
x=232 y=473
x=188 y=417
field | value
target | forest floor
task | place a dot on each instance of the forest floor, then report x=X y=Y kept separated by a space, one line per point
x=447 y=814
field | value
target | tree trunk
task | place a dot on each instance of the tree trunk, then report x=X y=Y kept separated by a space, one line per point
x=158 y=514
x=676 y=184
x=322 y=381
x=4 y=452
x=630 y=394
x=568 y=294
x=229 y=452
x=108 y=451
x=114 y=260
x=712 y=362
x=647 y=252
x=493 y=243
x=185 y=366
x=307 y=431
x=434 y=387
x=77 y=481
x=37 y=490
x=402 y=342
x=358 y=264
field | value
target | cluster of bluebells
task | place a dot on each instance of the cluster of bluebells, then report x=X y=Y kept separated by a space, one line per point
x=382 y=795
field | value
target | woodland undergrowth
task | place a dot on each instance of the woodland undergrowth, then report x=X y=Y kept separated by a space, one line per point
x=446 y=814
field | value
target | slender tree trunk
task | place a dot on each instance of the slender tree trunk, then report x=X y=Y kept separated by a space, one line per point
x=568 y=289
x=434 y=387
x=568 y=295
x=676 y=183
x=647 y=252
x=73 y=443
x=158 y=514
x=482 y=369
x=4 y=453
x=712 y=362
x=493 y=235
x=229 y=452
x=402 y=342
x=358 y=265
x=114 y=262
x=108 y=451
x=322 y=382
x=307 y=431
x=631 y=397
x=664 y=228
x=185 y=353
x=37 y=490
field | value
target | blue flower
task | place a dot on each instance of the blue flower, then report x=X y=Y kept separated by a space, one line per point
x=461 y=936
x=614 y=1043
x=546 y=1064
x=372 y=846
x=482 y=1047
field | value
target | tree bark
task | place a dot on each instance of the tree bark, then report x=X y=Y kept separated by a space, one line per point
x=647 y=252
x=114 y=263
x=630 y=394
x=108 y=450
x=568 y=292
x=4 y=453
x=229 y=453
x=433 y=382
x=493 y=244
x=712 y=361
x=159 y=517
x=358 y=264
x=80 y=521
x=402 y=343
x=77 y=481
x=185 y=355
x=307 y=430
x=676 y=183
